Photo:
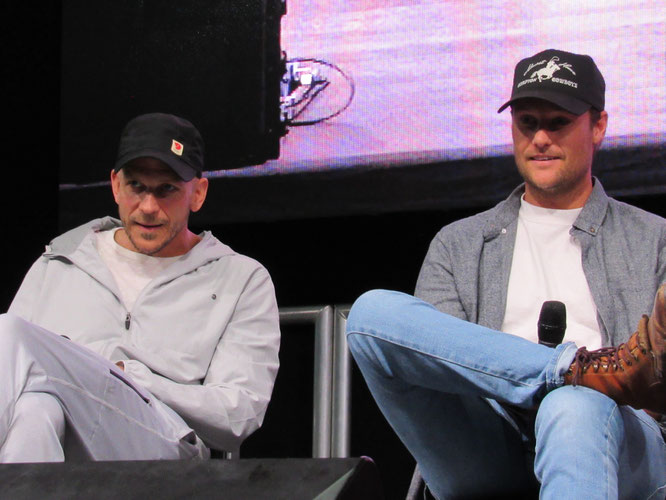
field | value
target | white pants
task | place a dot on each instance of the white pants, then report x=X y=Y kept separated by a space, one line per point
x=59 y=399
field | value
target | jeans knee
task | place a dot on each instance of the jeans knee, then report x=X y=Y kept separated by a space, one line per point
x=374 y=309
x=575 y=401
x=575 y=412
x=367 y=305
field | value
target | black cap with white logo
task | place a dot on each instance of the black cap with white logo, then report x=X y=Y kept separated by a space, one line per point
x=570 y=81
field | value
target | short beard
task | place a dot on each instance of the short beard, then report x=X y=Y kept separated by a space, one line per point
x=172 y=234
x=564 y=185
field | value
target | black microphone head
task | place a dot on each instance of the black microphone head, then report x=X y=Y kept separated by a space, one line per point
x=552 y=323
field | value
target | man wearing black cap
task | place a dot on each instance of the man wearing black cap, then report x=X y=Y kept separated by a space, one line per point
x=150 y=160
x=137 y=338
x=486 y=413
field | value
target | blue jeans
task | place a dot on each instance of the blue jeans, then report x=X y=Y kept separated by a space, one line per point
x=450 y=389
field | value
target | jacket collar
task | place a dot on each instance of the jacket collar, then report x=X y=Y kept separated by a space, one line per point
x=506 y=212
x=589 y=219
x=67 y=243
x=594 y=211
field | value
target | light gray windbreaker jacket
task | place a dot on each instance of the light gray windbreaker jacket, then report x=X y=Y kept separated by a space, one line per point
x=203 y=336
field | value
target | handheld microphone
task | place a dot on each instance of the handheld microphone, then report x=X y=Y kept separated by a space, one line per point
x=552 y=323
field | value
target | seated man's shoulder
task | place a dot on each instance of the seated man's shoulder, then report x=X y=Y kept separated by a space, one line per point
x=640 y=229
x=224 y=258
x=68 y=241
x=471 y=227
x=630 y=214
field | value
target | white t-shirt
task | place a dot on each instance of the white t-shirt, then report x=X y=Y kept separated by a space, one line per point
x=131 y=270
x=547 y=265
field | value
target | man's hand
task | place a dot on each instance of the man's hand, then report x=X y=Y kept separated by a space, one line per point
x=120 y=365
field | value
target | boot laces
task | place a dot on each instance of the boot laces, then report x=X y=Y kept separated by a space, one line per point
x=612 y=358
x=607 y=359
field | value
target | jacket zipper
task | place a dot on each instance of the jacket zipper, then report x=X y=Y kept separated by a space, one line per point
x=128 y=320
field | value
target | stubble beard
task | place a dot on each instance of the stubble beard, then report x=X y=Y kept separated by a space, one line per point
x=564 y=183
x=172 y=233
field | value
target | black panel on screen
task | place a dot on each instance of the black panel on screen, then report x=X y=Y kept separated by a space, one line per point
x=213 y=62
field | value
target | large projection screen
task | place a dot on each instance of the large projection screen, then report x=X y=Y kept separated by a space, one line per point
x=422 y=129
x=430 y=75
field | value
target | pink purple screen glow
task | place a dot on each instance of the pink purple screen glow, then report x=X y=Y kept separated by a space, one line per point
x=430 y=75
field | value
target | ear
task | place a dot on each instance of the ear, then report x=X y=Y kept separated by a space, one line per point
x=198 y=193
x=599 y=130
x=115 y=184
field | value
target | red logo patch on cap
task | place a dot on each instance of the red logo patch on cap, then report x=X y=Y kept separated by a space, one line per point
x=176 y=147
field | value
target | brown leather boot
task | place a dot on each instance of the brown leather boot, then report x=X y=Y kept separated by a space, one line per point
x=632 y=373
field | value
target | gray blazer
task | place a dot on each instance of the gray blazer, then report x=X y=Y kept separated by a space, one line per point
x=466 y=270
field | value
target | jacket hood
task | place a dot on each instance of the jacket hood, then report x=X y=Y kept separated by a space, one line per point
x=77 y=244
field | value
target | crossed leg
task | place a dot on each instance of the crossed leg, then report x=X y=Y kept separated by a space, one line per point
x=435 y=378
x=106 y=416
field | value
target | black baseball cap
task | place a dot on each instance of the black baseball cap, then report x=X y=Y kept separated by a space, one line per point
x=570 y=81
x=171 y=139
